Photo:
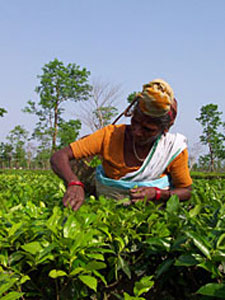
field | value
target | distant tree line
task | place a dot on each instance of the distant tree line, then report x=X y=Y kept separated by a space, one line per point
x=61 y=83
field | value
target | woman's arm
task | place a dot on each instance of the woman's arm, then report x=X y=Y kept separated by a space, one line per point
x=183 y=193
x=60 y=163
x=150 y=193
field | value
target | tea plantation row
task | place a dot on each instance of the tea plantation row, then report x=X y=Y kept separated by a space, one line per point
x=107 y=250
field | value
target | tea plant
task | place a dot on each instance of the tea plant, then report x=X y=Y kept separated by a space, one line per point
x=107 y=250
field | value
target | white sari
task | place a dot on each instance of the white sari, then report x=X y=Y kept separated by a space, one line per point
x=165 y=149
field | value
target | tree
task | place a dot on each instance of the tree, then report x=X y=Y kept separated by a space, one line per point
x=195 y=150
x=18 y=137
x=58 y=84
x=103 y=115
x=44 y=147
x=68 y=132
x=210 y=119
x=41 y=160
x=6 y=153
x=2 y=112
x=30 y=154
x=99 y=110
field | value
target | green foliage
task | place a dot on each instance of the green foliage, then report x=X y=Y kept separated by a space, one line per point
x=58 y=84
x=6 y=151
x=213 y=289
x=210 y=119
x=131 y=97
x=96 y=161
x=103 y=115
x=41 y=159
x=107 y=250
x=18 y=136
x=68 y=132
x=208 y=175
x=16 y=149
x=2 y=111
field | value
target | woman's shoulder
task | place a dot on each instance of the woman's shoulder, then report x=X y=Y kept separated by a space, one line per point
x=114 y=129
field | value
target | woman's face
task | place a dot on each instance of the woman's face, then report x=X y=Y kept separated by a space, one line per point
x=143 y=130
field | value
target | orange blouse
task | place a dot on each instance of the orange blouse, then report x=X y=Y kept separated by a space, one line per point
x=109 y=143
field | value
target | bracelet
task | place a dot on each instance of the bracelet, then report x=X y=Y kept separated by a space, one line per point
x=79 y=183
x=157 y=193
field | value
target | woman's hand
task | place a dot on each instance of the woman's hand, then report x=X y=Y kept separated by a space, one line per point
x=74 y=196
x=142 y=193
x=60 y=163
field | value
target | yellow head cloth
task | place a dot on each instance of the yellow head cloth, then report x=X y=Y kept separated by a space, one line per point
x=156 y=98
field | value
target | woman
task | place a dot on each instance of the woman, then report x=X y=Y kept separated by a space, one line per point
x=141 y=160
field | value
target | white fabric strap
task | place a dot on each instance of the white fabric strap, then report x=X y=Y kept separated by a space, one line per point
x=164 y=151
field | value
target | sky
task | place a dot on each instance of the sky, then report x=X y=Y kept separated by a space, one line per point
x=122 y=42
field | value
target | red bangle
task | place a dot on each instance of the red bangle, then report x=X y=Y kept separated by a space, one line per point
x=157 y=193
x=76 y=183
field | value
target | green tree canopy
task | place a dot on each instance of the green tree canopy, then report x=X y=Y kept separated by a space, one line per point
x=131 y=97
x=6 y=153
x=68 y=132
x=2 y=112
x=17 y=138
x=103 y=115
x=212 y=136
x=58 y=84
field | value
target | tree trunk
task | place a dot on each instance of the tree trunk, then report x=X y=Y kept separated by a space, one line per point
x=212 y=165
x=9 y=161
x=211 y=154
x=55 y=128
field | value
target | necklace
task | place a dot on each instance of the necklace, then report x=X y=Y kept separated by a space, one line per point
x=135 y=152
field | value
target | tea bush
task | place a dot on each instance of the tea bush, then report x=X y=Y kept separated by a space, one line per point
x=108 y=250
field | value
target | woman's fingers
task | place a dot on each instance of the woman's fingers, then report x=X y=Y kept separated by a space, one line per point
x=137 y=200
x=74 y=197
x=77 y=205
x=138 y=193
x=137 y=190
x=142 y=193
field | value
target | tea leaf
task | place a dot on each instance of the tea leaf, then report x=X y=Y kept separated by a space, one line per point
x=185 y=260
x=143 y=286
x=14 y=228
x=200 y=243
x=56 y=273
x=32 y=248
x=90 y=281
x=172 y=204
x=164 y=267
x=12 y=296
x=213 y=289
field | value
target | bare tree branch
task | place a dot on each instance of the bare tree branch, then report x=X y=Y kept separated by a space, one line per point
x=98 y=111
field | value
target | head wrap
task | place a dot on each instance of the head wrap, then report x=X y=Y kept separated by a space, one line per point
x=156 y=98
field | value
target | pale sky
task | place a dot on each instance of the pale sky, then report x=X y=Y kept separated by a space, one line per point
x=120 y=41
